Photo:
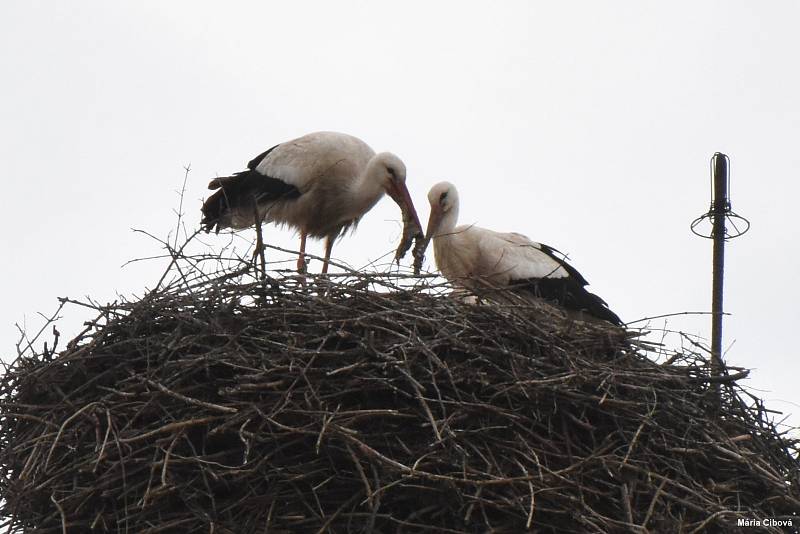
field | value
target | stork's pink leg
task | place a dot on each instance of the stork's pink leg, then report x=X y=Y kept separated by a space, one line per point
x=328 y=248
x=301 y=259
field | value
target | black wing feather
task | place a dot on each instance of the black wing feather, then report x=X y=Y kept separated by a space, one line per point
x=570 y=291
x=253 y=163
x=240 y=190
x=558 y=257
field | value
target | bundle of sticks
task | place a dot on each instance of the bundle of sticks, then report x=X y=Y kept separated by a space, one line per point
x=219 y=404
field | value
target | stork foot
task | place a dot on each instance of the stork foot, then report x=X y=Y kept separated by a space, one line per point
x=257 y=252
x=302 y=269
x=302 y=265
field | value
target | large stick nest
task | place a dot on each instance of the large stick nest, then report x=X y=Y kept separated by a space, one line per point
x=220 y=404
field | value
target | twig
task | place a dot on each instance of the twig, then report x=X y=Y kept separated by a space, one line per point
x=60 y=512
x=675 y=314
x=190 y=400
x=182 y=193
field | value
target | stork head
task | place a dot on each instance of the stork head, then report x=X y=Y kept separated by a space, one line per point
x=392 y=172
x=443 y=198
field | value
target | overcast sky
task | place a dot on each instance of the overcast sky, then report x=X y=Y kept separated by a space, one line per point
x=585 y=125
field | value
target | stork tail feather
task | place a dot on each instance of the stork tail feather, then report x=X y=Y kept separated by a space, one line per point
x=237 y=192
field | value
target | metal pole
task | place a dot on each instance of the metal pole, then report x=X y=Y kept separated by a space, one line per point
x=719 y=215
x=720 y=207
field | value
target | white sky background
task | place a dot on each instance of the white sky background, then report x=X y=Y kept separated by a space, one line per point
x=585 y=125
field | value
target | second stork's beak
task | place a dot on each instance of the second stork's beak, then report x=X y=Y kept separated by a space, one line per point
x=434 y=221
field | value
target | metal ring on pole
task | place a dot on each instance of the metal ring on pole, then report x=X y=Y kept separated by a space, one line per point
x=730 y=217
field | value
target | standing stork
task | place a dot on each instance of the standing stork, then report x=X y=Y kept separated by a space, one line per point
x=321 y=184
x=468 y=255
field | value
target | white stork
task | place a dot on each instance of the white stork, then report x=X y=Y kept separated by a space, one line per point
x=320 y=184
x=468 y=255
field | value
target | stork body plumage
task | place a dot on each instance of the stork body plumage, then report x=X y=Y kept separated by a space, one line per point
x=320 y=184
x=469 y=256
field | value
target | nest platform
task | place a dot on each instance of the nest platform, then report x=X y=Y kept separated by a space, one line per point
x=226 y=404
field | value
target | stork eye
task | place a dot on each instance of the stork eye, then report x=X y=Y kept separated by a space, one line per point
x=391 y=172
x=442 y=197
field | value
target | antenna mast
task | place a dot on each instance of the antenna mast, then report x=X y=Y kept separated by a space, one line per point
x=719 y=214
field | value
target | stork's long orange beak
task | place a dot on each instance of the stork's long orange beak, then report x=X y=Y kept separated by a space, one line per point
x=399 y=193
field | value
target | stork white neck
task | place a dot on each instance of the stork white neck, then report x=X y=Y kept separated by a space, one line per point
x=448 y=222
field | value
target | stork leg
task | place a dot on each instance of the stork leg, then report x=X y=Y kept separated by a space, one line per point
x=328 y=248
x=259 y=250
x=301 y=259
